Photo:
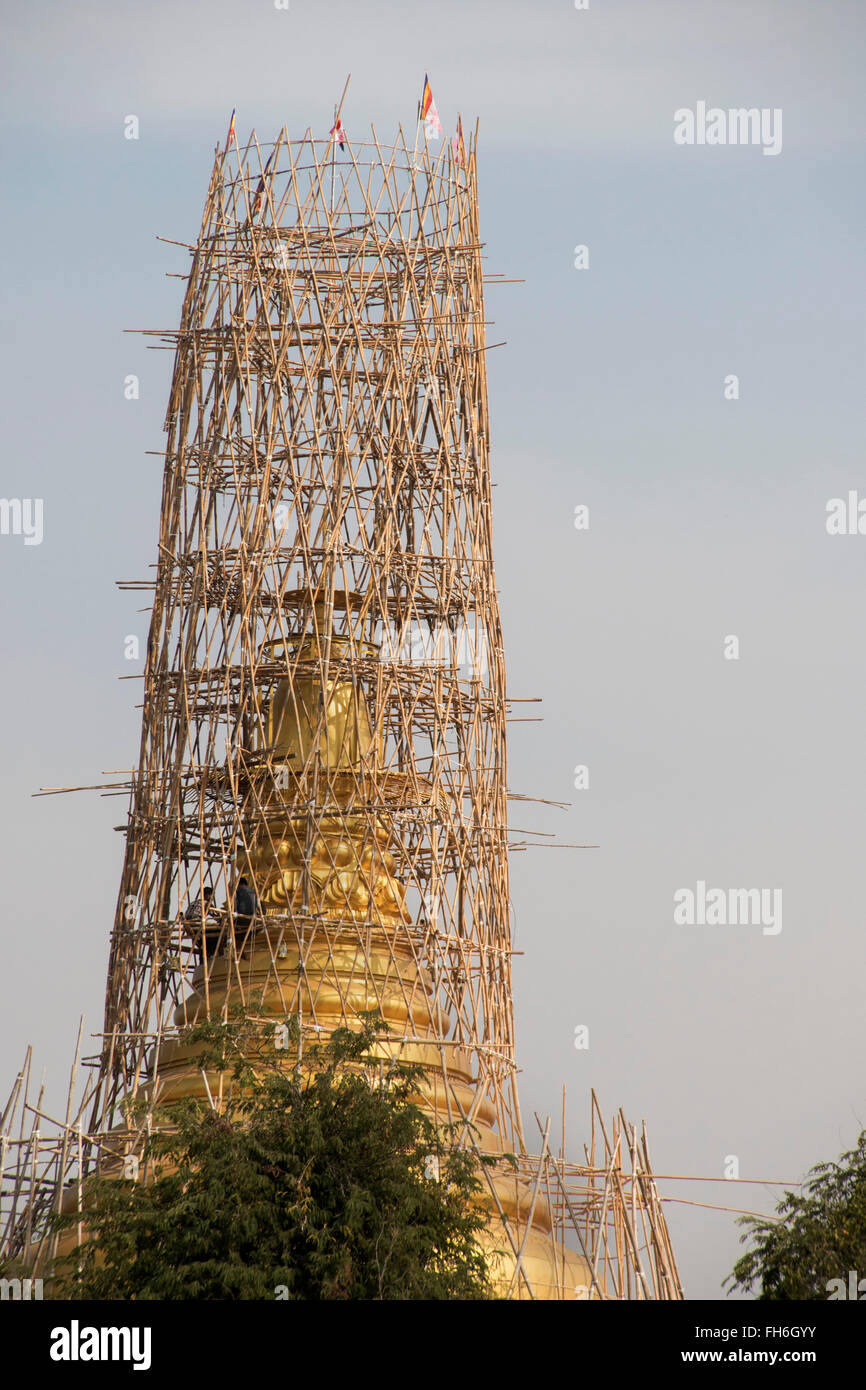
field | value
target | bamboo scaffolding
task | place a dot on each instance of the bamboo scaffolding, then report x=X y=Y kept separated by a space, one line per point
x=325 y=541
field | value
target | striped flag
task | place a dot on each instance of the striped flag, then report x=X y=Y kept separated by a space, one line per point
x=231 y=135
x=257 y=200
x=459 y=147
x=340 y=131
x=429 y=114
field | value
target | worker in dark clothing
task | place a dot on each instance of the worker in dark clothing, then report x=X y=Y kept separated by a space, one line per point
x=203 y=925
x=194 y=912
x=246 y=903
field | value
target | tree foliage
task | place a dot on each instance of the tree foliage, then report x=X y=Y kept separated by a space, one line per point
x=314 y=1182
x=818 y=1235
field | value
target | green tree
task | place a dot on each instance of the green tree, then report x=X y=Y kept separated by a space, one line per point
x=817 y=1236
x=314 y=1183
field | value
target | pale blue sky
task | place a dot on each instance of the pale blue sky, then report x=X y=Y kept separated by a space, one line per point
x=707 y=516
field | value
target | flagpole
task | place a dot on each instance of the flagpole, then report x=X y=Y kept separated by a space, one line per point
x=337 y=110
x=417 y=128
x=333 y=157
x=343 y=97
x=231 y=135
x=228 y=142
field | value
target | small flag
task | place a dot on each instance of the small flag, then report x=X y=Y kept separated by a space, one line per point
x=231 y=135
x=340 y=131
x=459 y=147
x=429 y=114
x=257 y=200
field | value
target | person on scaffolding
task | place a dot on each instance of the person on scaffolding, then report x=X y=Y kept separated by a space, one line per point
x=204 y=926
